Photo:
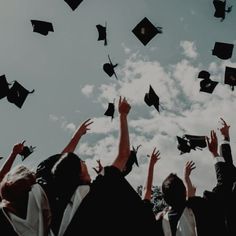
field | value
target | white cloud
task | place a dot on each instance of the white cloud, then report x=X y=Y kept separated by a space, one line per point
x=64 y=124
x=103 y=125
x=71 y=127
x=189 y=48
x=53 y=117
x=186 y=111
x=126 y=49
x=87 y=89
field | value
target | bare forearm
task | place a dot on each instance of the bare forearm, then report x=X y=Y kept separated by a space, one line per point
x=124 y=145
x=148 y=187
x=189 y=187
x=71 y=146
x=7 y=165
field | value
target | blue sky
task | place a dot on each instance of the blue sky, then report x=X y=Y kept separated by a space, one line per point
x=65 y=69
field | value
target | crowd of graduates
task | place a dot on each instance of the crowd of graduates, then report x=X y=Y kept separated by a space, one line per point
x=59 y=198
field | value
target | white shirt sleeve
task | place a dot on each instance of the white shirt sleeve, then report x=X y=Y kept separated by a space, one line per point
x=218 y=159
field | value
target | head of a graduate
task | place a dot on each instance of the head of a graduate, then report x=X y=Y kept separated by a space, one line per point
x=16 y=184
x=174 y=191
x=69 y=172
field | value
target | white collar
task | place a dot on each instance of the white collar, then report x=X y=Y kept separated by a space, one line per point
x=38 y=217
x=186 y=224
x=71 y=207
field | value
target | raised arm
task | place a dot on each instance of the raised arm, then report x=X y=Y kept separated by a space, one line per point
x=225 y=149
x=18 y=148
x=222 y=169
x=213 y=144
x=148 y=187
x=124 y=145
x=82 y=130
x=190 y=188
x=225 y=130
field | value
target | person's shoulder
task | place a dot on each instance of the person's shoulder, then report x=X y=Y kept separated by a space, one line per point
x=109 y=172
x=195 y=201
x=109 y=178
x=112 y=170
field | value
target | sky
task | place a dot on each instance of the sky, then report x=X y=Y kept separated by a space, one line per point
x=65 y=69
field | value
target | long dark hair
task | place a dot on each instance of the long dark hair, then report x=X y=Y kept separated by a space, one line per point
x=67 y=175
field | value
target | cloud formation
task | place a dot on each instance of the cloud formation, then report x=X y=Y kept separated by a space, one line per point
x=184 y=110
x=190 y=49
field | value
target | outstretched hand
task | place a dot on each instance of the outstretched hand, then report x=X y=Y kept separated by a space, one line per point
x=155 y=156
x=18 y=148
x=124 y=106
x=189 y=167
x=190 y=188
x=224 y=129
x=213 y=144
x=84 y=127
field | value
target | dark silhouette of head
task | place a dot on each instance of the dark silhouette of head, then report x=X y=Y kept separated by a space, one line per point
x=68 y=174
x=174 y=191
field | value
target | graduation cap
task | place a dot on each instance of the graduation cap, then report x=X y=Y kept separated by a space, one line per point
x=73 y=3
x=207 y=85
x=204 y=74
x=145 y=31
x=42 y=27
x=151 y=98
x=223 y=50
x=220 y=9
x=131 y=161
x=230 y=77
x=17 y=94
x=4 y=86
x=183 y=145
x=110 y=110
x=191 y=142
x=102 y=33
x=109 y=68
x=26 y=151
x=196 y=141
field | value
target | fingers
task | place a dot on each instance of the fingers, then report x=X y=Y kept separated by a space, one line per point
x=95 y=170
x=122 y=100
x=155 y=154
x=213 y=136
x=190 y=165
x=86 y=122
x=207 y=140
x=223 y=121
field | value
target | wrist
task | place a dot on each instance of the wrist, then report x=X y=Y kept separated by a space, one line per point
x=226 y=138
x=14 y=153
x=215 y=154
x=123 y=115
x=151 y=165
x=186 y=178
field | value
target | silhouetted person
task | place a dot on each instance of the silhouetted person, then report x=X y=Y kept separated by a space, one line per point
x=196 y=215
